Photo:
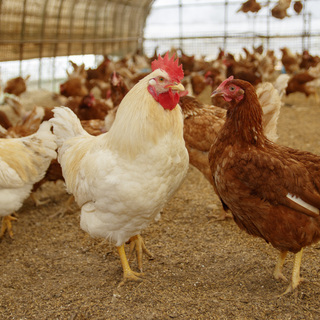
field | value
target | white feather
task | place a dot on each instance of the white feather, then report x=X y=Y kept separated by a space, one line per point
x=302 y=203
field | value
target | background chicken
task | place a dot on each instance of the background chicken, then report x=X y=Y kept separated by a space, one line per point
x=202 y=124
x=21 y=168
x=88 y=107
x=123 y=178
x=272 y=191
x=250 y=6
x=279 y=11
x=16 y=85
x=299 y=82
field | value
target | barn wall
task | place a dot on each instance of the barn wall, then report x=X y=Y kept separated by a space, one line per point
x=42 y=28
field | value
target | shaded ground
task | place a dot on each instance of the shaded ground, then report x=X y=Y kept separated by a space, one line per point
x=203 y=269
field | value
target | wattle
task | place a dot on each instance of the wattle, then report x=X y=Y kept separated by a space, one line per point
x=168 y=99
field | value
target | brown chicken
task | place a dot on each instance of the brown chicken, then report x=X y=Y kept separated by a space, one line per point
x=299 y=83
x=101 y=72
x=118 y=88
x=202 y=124
x=16 y=86
x=75 y=86
x=250 y=6
x=88 y=107
x=308 y=61
x=245 y=70
x=272 y=191
x=279 y=11
x=297 y=7
x=290 y=61
x=4 y=121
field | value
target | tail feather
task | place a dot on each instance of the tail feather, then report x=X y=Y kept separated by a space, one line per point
x=66 y=125
x=281 y=84
x=271 y=104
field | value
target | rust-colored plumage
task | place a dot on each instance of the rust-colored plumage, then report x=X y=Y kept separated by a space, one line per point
x=272 y=191
x=250 y=6
x=16 y=85
x=202 y=124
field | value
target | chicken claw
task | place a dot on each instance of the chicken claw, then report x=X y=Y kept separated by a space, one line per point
x=137 y=243
x=128 y=274
x=6 y=225
x=221 y=216
x=277 y=274
x=296 y=279
x=38 y=202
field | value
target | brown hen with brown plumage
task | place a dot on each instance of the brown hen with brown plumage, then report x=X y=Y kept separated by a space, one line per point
x=202 y=124
x=272 y=191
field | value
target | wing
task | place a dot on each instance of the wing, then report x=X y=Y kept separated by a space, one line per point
x=276 y=176
x=201 y=128
x=9 y=178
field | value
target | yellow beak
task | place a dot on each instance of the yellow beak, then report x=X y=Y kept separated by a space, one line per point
x=216 y=93
x=177 y=87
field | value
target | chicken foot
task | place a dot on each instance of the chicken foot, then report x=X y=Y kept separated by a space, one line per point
x=137 y=243
x=6 y=225
x=38 y=202
x=66 y=207
x=279 y=265
x=296 y=279
x=128 y=274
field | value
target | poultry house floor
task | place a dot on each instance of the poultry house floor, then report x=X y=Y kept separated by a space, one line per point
x=202 y=268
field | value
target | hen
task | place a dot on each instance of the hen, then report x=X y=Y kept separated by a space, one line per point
x=202 y=124
x=279 y=11
x=16 y=86
x=272 y=191
x=250 y=6
x=88 y=107
x=123 y=178
x=21 y=168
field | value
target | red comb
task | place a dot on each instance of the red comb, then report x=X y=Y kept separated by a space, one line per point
x=226 y=81
x=170 y=66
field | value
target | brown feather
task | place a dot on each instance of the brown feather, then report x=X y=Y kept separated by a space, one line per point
x=253 y=176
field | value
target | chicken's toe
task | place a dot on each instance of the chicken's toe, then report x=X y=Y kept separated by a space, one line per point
x=137 y=244
x=6 y=225
x=128 y=274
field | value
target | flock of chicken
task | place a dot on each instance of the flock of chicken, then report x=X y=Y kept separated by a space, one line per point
x=128 y=130
x=279 y=11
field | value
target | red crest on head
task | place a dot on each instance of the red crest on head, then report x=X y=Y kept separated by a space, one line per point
x=170 y=66
x=224 y=82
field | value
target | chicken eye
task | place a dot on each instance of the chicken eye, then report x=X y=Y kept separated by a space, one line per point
x=161 y=79
x=231 y=88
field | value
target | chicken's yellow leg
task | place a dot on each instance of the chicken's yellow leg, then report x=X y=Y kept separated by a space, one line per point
x=6 y=225
x=136 y=242
x=277 y=273
x=295 y=281
x=36 y=201
x=128 y=274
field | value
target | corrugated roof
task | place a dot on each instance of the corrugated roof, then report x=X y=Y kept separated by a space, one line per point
x=43 y=28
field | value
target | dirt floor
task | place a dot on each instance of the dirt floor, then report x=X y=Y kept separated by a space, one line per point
x=203 y=268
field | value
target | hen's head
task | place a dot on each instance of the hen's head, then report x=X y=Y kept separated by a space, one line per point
x=115 y=79
x=88 y=101
x=165 y=83
x=232 y=90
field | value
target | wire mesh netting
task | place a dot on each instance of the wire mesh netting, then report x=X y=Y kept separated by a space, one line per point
x=42 y=35
x=202 y=27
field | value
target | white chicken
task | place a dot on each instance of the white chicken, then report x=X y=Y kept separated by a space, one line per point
x=23 y=162
x=123 y=178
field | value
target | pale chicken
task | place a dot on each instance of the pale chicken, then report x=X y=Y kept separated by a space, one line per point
x=23 y=162
x=123 y=178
